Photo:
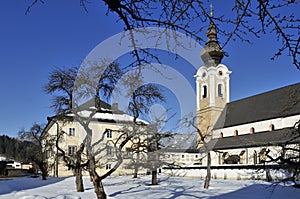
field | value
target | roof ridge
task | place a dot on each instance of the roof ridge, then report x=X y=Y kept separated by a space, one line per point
x=266 y=92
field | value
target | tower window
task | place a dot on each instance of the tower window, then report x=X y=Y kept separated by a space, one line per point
x=220 y=90
x=204 y=94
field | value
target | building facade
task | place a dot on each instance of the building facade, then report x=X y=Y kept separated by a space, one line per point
x=108 y=131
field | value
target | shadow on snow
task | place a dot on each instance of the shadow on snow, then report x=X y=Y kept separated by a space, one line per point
x=24 y=183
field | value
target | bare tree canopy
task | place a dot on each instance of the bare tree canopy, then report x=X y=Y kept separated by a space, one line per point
x=245 y=19
x=42 y=146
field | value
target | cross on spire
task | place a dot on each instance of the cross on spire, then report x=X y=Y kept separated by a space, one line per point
x=212 y=53
x=211 y=10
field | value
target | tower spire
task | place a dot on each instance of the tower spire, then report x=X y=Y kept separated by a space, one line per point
x=212 y=53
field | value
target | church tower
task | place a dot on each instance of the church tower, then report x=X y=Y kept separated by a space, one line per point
x=212 y=83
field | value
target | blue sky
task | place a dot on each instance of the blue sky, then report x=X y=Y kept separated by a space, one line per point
x=61 y=34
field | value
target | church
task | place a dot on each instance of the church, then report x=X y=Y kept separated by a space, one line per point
x=242 y=134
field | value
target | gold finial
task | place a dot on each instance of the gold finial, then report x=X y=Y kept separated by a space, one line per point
x=211 y=10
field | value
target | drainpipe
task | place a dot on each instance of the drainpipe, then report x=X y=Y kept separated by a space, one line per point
x=56 y=158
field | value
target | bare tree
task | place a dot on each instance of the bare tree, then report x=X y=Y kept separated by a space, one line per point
x=141 y=98
x=246 y=18
x=136 y=154
x=288 y=157
x=42 y=148
x=156 y=150
x=61 y=82
x=74 y=161
x=203 y=138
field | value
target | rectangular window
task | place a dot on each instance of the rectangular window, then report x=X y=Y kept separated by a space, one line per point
x=127 y=152
x=109 y=151
x=72 y=150
x=71 y=131
x=220 y=90
x=108 y=133
x=204 y=92
x=108 y=166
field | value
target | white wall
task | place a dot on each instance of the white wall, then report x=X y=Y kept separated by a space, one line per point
x=279 y=123
x=226 y=174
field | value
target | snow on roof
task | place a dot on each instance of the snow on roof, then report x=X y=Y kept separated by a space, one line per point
x=108 y=115
x=2 y=158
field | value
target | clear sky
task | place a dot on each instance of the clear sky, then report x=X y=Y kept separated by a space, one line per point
x=61 y=34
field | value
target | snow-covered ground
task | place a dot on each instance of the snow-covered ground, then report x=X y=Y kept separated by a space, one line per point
x=126 y=187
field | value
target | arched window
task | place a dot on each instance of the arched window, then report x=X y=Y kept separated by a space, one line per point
x=204 y=92
x=254 y=157
x=235 y=133
x=271 y=127
x=220 y=90
x=243 y=157
x=263 y=155
x=252 y=130
x=221 y=135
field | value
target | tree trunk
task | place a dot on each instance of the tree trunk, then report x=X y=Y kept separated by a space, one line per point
x=268 y=175
x=79 y=181
x=78 y=170
x=154 y=177
x=44 y=175
x=44 y=169
x=97 y=182
x=135 y=174
x=99 y=189
x=208 y=174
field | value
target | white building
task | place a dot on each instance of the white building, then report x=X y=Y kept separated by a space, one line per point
x=107 y=127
